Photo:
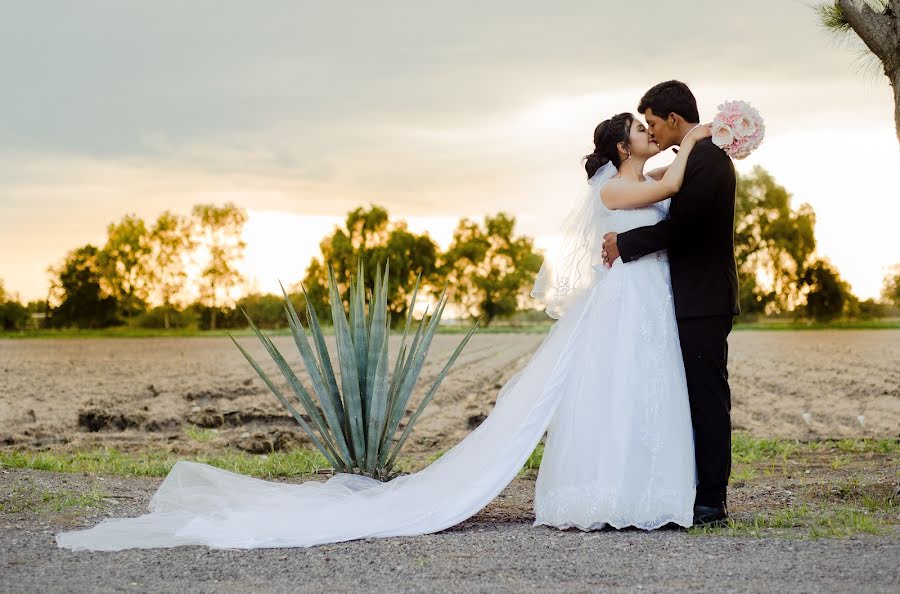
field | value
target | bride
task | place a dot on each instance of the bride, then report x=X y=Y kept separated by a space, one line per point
x=607 y=383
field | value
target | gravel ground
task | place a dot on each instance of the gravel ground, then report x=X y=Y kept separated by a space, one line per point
x=496 y=551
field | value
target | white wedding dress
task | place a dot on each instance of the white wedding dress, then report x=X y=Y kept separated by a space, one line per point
x=608 y=381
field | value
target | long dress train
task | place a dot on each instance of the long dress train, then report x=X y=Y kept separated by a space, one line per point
x=608 y=381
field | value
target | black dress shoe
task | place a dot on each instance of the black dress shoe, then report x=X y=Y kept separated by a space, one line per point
x=710 y=515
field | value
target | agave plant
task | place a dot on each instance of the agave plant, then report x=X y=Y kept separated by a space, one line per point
x=356 y=427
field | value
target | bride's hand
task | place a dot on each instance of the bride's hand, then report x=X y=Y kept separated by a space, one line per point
x=699 y=132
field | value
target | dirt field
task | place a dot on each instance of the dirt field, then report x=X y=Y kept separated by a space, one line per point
x=807 y=517
x=135 y=393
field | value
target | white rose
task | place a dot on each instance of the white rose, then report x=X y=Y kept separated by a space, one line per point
x=722 y=134
x=745 y=126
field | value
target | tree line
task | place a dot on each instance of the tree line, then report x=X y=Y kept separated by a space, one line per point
x=179 y=271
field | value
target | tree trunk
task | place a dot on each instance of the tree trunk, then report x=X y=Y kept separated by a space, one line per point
x=212 y=319
x=896 y=85
x=880 y=31
x=166 y=316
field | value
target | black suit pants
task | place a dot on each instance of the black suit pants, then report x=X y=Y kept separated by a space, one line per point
x=704 y=347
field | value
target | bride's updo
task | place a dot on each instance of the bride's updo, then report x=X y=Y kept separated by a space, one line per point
x=606 y=136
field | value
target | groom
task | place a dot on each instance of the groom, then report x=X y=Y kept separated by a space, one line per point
x=699 y=237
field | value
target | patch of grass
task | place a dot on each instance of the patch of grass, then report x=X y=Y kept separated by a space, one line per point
x=62 y=500
x=803 y=521
x=536 y=328
x=498 y=327
x=746 y=449
x=200 y=434
x=28 y=498
x=534 y=460
x=862 y=446
x=839 y=462
x=125 y=332
x=434 y=457
x=883 y=324
x=742 y=475
x=112 y=462
x=845 y=522
x=874 y=504
x=848 y=490
x=774 y=453
x=783 y=519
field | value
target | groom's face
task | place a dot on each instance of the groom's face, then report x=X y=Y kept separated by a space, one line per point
x=660 y=131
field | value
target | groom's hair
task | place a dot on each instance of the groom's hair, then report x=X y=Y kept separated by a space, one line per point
x=668 y=97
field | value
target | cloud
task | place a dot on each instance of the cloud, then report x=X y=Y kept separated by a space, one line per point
x=433 y=110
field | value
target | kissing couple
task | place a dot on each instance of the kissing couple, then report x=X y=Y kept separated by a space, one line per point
x=630 y=384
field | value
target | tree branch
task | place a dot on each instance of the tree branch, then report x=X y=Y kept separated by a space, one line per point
x=876 y=29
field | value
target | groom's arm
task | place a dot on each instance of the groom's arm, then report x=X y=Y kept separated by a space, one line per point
x=695 y=200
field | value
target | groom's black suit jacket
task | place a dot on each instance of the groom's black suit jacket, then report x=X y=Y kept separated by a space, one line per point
x=699 y=235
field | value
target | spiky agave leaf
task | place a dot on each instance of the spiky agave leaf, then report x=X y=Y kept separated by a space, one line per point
x=427 y=398
x=349 y=374
x=377 y=333
x=331 y=406
x=421 y=343
x=397 y=407
x=375 y=314
x=324 y=359
x=361 y=419
x=358 y=327
x=413 y=367
x=397 y=376
x=284 y=401
x=401 y=390
x=418 y=352
x=378 y=411
x=297 y=387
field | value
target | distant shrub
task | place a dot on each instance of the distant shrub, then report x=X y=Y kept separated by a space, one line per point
x=156 y=318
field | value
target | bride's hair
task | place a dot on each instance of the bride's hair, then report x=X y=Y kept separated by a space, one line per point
x=606 y=136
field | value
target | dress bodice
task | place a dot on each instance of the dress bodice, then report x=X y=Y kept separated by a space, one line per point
x=621 y=220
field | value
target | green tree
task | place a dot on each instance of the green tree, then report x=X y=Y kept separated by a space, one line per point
x=890 y=287
x=488 y=268
x=76 y=286
x=773 y=244
x=124 y=264
x=13 y=315
x=369 y=236
x=219 y=228
x=828 y=295
x=877 y=24
x=266 y=311
x=170 y=241
x=870 y=309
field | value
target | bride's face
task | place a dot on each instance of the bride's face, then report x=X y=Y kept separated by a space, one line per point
x=642 y=144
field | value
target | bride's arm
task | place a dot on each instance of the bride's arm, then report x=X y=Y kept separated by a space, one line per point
x=622 y=194
x=658 y=173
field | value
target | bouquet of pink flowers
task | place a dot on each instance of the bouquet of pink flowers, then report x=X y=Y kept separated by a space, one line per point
x=738 y=129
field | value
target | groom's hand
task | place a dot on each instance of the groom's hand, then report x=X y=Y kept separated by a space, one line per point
x=610 y=249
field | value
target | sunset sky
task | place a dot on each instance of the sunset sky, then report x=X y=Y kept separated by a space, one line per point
x=302 y=111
